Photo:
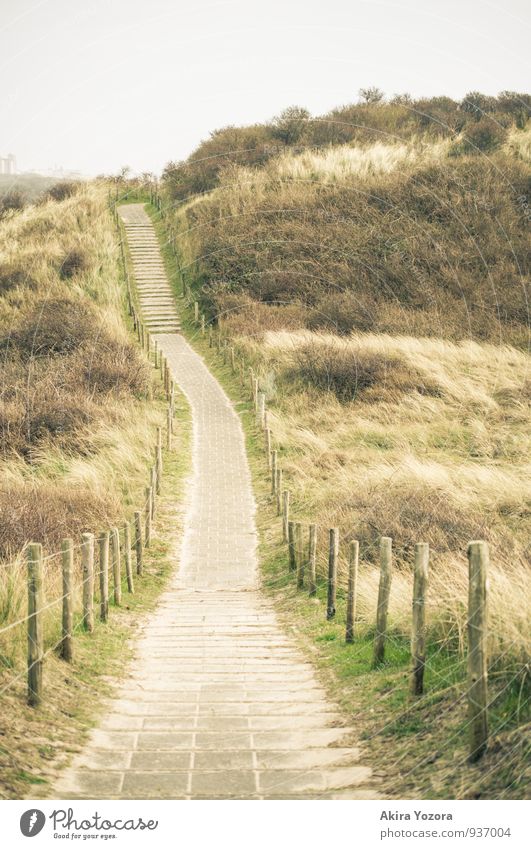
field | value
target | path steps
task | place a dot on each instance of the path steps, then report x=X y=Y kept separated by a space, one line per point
x=218 y=702
x=157 y=302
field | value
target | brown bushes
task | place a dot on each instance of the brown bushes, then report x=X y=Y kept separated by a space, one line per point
x=52 y=326
x=347 y=373
x=74 y=262
x=48 y=512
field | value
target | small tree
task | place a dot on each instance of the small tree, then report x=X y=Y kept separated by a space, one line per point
x=372 y=94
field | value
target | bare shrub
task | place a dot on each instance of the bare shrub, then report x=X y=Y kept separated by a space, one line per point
x=74 y=262
x=63 y=190
x=347 y=373
x=54 y=326
x=48 y=512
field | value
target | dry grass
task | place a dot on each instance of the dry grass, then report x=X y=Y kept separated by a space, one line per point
x=397 y=238
x=444 y=466
x=77 y=427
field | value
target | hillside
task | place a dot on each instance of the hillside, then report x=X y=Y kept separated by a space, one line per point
x=379 y=290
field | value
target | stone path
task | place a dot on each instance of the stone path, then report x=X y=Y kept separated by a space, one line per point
x=219 y=703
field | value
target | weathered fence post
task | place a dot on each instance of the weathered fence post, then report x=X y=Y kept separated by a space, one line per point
x=116 y=566
x=168 y=429
x=478 y=563
x=35 y=630
x=87 y=561
x=67 y=552
x=418 y=625
x=153 y=483
x=255 y=393
x=196 y=312
x=384 y=592
x=279 y=492
x=103 y=545
x=159 y=459
x=127 y=557
x=273 y=472
x=291 y=547
x=285 y=514
x=312 y=560
x=299 y=555
x=202 y=324
x=260 y=410
x=138 y=541
x=267 y=436
x=147 y=535
x=333 y=552
x=352 y=590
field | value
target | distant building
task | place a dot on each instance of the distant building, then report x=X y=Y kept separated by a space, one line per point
x=8 y=164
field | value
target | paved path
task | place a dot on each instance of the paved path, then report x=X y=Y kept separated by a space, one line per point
x=219 y=703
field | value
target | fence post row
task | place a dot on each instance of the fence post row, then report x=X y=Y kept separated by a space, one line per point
x=87 y=561
x=384 y=591
x=353 y=562
x=418 y=626
x=103 y=545
x=35 y=630
x=333 y=552
x=478 y=563
x=67 y=556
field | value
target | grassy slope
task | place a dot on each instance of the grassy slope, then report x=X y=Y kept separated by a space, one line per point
x=450 y=463
x=103 y=462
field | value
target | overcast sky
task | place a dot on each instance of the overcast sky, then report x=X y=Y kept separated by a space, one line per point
x=97 y=84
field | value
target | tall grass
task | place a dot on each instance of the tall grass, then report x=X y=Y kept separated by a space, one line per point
x=76 y=421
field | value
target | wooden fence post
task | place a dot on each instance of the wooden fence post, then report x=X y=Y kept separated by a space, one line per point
x=87 y=560
x=384 y=592
x=273 y=472
x=103 y=545
x=159 y=459
x=138 y=541
x=291 y=547
x=232 y=361
x=67 y=552
x=153 y=484
x=255 y=393
x=202 y=324
x=251 y=381
x=299 y=555
x=196 y=312
x=285 y=514
x=168 y=429
x=279 y=492
x=333 y=552
x=35 y=630
x=127 y=557
x=116 y=566
x=478 y=564
x=352 y=590
x=418 y=625
x=268 y=446
x=260 y=410
x=147 y=535
x=312 y=560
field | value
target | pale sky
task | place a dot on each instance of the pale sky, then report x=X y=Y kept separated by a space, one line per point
x=97 y=84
